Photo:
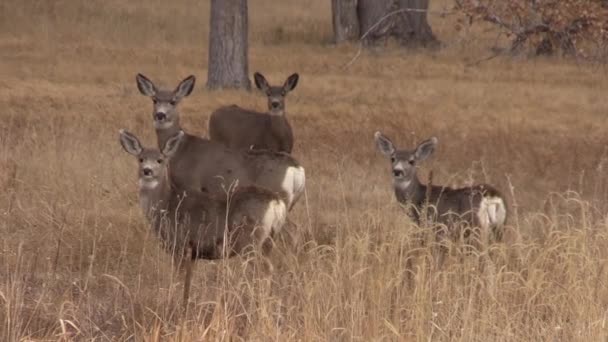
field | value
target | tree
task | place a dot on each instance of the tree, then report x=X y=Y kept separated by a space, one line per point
x=345 y=20
x=377 y=20
x=545 y=27
x=228 y=47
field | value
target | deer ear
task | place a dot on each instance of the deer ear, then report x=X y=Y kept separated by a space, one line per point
x=185 y=87
x=425 y=149
x=172 y=145
x=145 y=86
x=291 y=82
x=384 y=144
x=130 y=143
x=260 y=82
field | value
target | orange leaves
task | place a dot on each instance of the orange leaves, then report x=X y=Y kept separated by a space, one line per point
x=563 y=23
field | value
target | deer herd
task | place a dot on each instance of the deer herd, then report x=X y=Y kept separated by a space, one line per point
x=216 y=197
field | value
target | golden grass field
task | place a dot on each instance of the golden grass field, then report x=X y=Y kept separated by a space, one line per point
x=78 y=261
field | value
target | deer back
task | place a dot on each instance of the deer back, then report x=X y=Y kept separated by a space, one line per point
x=478 y=205
x=207 y=167
x=241 y=128
x=210 y=167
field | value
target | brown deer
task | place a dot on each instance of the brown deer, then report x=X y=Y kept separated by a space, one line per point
x=241 y=128
x=476 y=206
x=193 y=225
x=210 y=167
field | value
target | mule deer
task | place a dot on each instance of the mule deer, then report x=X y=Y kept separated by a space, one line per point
x=477 y=206
x=241 y=128
x=208 y=166
x=200 y=226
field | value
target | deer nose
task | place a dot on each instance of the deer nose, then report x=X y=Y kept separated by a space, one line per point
x=147 y=172
x=398 y=173
x=160 y=116
x=275 y=104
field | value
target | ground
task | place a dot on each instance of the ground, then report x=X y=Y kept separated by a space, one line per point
x=78 y=261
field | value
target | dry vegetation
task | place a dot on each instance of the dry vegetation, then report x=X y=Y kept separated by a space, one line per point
x=77 y=261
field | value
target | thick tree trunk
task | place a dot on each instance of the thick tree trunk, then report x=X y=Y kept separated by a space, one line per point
x=228 y=45
x=405 y=20
x=345 y=21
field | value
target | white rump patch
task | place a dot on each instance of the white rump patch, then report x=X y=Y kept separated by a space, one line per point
x=275 y=217
x=293 y=184
x=492 y=212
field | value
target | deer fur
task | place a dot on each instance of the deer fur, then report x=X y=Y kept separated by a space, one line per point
x=207 y=166
x=241 y=128
x=193 y=225
x=479 y=205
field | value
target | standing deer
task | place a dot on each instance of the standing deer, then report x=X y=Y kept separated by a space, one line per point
x=241 y=128
x=193 y=225
x=476 y=206
x=208 y=166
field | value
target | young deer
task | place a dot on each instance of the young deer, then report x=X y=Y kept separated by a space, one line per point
x=241 y=128
x=476 y=206
x=208 y=166
x=192 y=225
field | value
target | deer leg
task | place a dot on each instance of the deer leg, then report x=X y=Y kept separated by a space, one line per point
x=188 y=266
x=487 y=266
x=267 y=246
x=288 y=228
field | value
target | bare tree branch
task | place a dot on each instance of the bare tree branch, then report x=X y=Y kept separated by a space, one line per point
x=380 y=21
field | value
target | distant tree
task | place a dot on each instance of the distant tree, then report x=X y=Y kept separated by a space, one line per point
x=228 y=46
x=377 y=20
x=569 y=27
x=345 y=20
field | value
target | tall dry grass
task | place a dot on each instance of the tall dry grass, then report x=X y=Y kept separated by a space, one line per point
x=78 y=261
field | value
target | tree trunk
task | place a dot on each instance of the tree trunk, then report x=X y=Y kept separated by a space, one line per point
x=228 y=45
x=345 y=21
x=405 y=20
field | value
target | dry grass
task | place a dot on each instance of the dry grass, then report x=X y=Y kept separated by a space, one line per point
x=78 y=261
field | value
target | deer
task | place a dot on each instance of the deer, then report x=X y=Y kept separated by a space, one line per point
x=208 y=166
x=479 y=205
x=241 y=128
x=194 y=225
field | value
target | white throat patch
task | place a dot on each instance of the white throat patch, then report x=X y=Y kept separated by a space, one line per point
x=148 y=184
x=163 y=125
x=402 y=185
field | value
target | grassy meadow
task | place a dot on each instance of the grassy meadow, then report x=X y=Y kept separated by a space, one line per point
x=78 y=262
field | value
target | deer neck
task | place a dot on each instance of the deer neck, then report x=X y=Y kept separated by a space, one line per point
x=154 y=197
x=412 y=192
x=278 y=122
x=277 y=113
x=164 y=134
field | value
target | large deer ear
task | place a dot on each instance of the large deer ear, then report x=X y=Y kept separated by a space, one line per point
x=384 y=144
x=145 y=86
x=130 y=143
x=291 y=82
x=425 y=149
x=185 y=87
x=260 y=82
x=172 y=145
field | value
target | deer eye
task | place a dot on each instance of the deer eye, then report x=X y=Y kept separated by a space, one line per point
x=283 y=93
x=141 y=160
x=173 y=102
x=160 y=161
x=392 y=159
x=411 y=161
x=155 y=101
